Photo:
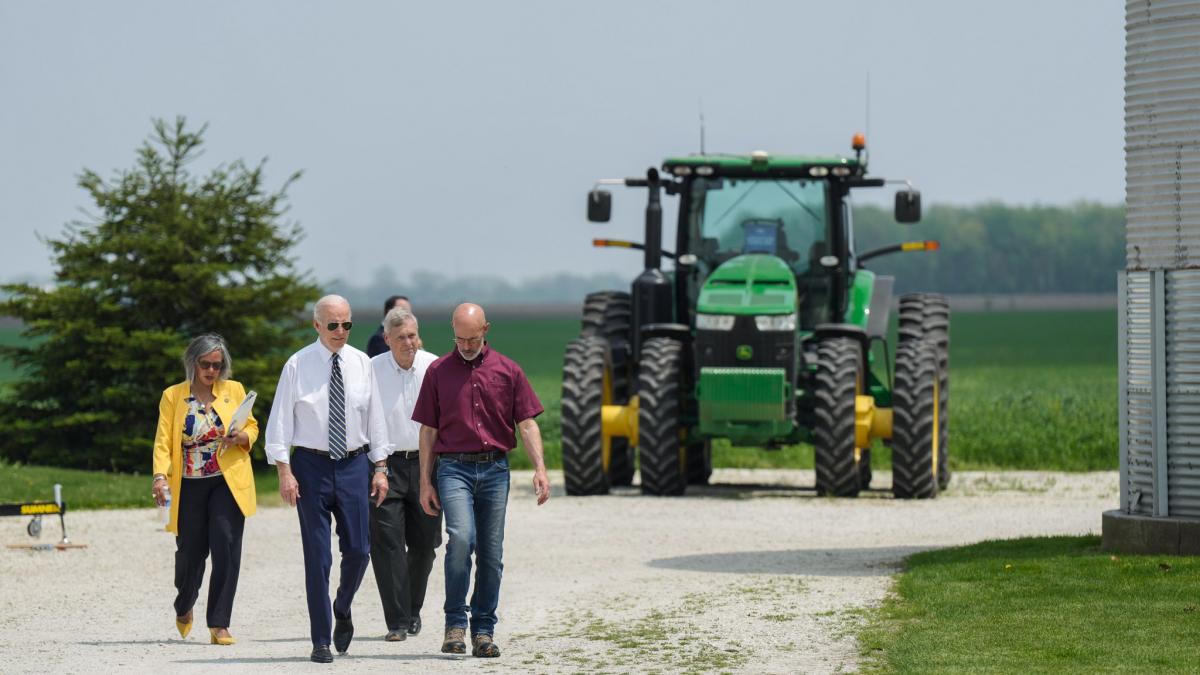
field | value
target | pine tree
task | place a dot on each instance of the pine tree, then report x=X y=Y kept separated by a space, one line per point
x=168 y=257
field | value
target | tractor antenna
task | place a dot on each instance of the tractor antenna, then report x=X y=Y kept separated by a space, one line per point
x=867 y=123
x=701 y=126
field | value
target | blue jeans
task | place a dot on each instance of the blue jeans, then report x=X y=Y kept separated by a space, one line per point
x=474 y=499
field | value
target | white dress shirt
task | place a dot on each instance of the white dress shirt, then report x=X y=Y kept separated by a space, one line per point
x=300 y=412
x=398 y=389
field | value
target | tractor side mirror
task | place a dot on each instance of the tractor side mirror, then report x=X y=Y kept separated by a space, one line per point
x=908 y=206
x=599 y=206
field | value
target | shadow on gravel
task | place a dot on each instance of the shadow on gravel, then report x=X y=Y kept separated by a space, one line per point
x=751 y=491
x=834 y=562
x=336 y=659
x=107 y=643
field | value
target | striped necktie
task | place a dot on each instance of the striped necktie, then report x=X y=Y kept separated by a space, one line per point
x=337 y=412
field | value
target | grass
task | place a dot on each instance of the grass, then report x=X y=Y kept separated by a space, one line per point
x=1055 y=604
x=99 y=489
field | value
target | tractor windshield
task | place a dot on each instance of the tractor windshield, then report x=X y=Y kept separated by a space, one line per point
x=784 y=218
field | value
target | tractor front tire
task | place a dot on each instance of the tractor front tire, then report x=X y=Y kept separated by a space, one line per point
x=660 y=375
x=582 y=395
x=839 y=371
x=915 y=422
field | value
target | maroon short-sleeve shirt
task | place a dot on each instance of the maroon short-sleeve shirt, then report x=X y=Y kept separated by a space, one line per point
x=475 y=405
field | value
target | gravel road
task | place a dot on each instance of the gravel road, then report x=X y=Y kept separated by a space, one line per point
x=752 y=574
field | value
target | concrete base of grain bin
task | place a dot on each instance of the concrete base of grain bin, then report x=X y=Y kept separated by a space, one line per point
x=1125 y=533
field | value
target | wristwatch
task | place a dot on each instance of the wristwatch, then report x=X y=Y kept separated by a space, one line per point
x=383 y=470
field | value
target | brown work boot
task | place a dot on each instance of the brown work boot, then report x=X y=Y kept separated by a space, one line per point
x=484 y=647
x=455 y=642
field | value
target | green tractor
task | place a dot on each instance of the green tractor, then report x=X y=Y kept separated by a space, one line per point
x=768 y=331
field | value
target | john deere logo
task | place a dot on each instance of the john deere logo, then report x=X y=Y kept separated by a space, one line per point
x=745 y=352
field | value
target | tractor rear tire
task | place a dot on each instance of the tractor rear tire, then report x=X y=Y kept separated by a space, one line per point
x=926 y=316
x=914 y=431
x=698 y=462
x=660 y=376
x=607 y=314
x=839 y=374
x=582 y=395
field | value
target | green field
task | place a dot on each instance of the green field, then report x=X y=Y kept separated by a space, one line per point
x=1030 y=390
x=1038 y=605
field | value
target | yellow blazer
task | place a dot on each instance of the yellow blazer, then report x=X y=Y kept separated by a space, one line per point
x=234 y=462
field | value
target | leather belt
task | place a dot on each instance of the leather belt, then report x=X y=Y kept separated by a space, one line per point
x=362 y=449
x=472 y=456
x=406 y=454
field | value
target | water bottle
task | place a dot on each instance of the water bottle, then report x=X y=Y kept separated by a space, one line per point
x=165 y=509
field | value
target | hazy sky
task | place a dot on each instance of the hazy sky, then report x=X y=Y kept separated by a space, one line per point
x=462 y=137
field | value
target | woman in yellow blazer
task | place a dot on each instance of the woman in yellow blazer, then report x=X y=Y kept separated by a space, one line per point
x=207 y=467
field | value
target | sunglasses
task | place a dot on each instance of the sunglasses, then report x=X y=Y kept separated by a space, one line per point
x=210 y=365
x=333 y=325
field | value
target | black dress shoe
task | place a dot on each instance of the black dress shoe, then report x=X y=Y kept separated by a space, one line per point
x=343 y=631
x=414 y=626
x=321 y=655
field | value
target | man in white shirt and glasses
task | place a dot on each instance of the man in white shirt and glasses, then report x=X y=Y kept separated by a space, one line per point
x=403 y=536
x=327 y=409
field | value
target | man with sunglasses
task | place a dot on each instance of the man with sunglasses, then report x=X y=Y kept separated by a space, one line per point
x=328 y=411
x=472 y=402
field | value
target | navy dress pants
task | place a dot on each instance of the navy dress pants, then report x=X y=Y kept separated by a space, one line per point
x=339 y=489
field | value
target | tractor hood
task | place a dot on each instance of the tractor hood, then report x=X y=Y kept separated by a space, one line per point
x=749 y=284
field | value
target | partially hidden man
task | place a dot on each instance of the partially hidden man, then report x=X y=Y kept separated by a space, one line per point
x=403 y=536
x=326 y=430
x=472 y=402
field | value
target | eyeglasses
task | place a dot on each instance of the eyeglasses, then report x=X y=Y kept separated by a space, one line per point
x=468 y=340
x=333 y=325
x=210 y=365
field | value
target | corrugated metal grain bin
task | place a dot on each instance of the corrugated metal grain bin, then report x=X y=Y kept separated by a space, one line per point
x=1159 y=293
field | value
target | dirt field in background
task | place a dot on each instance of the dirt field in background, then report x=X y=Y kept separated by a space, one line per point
x=753 y=574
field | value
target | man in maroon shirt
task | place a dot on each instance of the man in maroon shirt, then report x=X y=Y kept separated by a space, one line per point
x=472 y=402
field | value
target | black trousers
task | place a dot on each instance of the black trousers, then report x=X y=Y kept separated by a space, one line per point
x=210 y=522
x=403 y=539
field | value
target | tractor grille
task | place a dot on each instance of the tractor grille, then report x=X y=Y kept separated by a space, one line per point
x=771 y=349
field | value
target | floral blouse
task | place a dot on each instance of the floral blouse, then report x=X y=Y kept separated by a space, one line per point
x=202 y=433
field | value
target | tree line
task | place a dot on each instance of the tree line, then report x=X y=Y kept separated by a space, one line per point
x=997 y=248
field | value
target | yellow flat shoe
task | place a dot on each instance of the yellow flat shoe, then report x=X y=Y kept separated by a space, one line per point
x=183 y=628
x=228 y=640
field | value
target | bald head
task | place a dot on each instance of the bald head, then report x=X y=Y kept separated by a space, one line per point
x=468 y=315
x=470 y=329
